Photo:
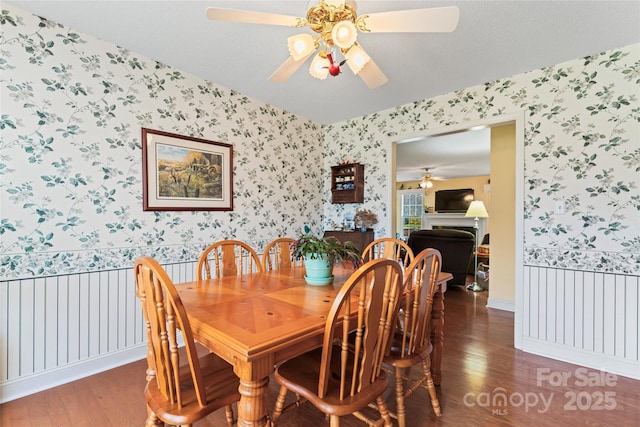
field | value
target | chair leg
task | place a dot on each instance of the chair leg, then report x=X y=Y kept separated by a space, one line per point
x=152 y=419
x=277 y=411
x=334 y=421
x=228 y=410
x=400 y=409
x=384 y=411
x=432 y=388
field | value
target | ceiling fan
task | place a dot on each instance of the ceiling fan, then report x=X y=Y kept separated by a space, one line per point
x=427 y=179
x=337 y=24
x=425 y=182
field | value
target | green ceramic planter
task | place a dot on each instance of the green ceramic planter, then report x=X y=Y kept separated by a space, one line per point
x=318 y=271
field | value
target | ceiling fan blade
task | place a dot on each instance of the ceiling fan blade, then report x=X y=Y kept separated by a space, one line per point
x=287 y=69
x=251 y=17
x=372 y=76
x=431 y=20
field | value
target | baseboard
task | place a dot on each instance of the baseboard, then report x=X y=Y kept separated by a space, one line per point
x=500 y=304
x=25 y=386
x=599 y=361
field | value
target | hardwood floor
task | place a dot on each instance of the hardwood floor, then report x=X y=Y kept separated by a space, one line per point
x=480 y=367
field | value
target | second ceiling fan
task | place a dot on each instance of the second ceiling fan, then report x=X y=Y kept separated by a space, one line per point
x=337 y=25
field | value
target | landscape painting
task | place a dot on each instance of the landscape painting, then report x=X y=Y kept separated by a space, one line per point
x=185 y=173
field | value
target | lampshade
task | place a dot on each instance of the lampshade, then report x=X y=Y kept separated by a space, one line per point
x=319 y=67
x=356 y=58
x=477 y=210
x=344 y=34
x=300 y=45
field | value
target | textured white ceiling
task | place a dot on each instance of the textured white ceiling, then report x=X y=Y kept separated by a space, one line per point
x=450 y=156
x=494 y=39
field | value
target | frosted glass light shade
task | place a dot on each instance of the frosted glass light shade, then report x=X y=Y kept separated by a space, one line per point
x=344 y=34
x=356 y=58
x=426 y=183
x=319 y=67
x=300 y=45
x=477 y=210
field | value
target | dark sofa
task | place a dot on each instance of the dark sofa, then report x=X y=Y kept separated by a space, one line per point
x=455 y=246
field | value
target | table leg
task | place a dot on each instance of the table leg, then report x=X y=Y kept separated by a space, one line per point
x=252 y=408
x=254 y=381
x=437 y=334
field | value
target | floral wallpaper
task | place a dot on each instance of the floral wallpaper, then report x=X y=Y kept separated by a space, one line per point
x=71 y=161
x=70 y=155
x=582 y=145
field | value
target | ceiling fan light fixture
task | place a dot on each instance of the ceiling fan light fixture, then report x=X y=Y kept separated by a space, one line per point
x=319 y=67
x=337 y=24
x=344 y=34
x=300 y=45
x=426 y=183
x=357 y=58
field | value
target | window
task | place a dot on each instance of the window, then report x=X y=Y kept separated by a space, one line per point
x=411 y=214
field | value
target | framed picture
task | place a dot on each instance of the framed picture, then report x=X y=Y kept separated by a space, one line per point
x=182 y=173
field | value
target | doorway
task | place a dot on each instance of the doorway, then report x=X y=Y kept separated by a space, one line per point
x=505 y=289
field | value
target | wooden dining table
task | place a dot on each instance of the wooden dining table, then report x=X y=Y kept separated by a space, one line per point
x=256 y=321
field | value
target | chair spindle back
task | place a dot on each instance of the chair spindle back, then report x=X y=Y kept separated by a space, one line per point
x=419 y=287
x=363 y=339
x=389 y=247
x=164 y=314
x=230 y=258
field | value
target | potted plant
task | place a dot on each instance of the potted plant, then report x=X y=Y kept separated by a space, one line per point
x=320 y=255
x=366 y=218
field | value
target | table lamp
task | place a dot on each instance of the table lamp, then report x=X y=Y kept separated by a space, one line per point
x=476 y=210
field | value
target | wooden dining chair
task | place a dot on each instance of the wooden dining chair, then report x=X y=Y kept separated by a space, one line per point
x=388 y=247
x=230 y=258
x=411 y=345
x=178 y=393
x=344 y=375
x=277 y=254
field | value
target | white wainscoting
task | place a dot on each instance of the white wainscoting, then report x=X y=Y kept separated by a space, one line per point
x=586 y=318
x=57 y=329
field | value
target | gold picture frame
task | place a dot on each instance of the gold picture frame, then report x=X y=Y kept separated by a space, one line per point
x=183 y=173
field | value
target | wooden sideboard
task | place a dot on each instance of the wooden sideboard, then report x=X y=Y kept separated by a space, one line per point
x=359 y=238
